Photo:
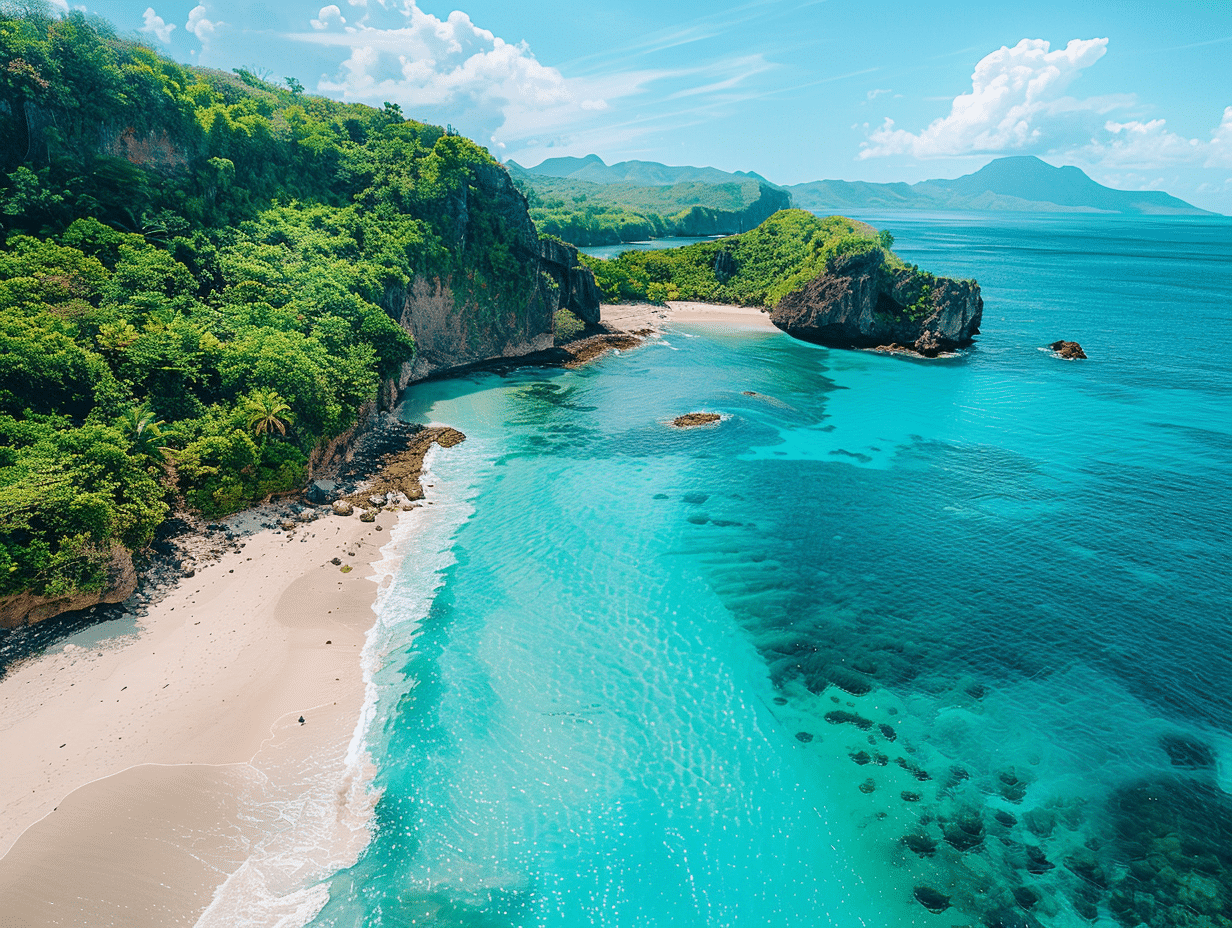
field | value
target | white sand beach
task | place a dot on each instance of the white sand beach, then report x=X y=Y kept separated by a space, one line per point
x=631 y=317
x=141 y=773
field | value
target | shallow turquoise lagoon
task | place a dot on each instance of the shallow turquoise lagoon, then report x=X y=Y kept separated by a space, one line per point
x=897 y=642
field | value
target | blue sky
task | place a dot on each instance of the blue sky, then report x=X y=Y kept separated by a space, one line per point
x=1138 y=94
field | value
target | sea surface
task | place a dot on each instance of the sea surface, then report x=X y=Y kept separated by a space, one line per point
x=654 y=244
x=897 y=642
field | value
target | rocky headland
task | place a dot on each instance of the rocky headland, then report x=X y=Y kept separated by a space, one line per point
x=862 y=303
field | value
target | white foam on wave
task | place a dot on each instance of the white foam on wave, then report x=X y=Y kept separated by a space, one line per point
x=316 y=819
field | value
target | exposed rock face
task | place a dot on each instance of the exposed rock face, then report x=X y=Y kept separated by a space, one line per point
x=27 y=608
x=1070 y=351
x=863 y=305
x=576 y=283
x=454 y=325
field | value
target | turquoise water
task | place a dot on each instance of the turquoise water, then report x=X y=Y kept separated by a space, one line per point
x=895 y=636
x=611 y=251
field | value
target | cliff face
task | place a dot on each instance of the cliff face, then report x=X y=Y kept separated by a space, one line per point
x=27 y=608
x=862 y=304
x=455 y=324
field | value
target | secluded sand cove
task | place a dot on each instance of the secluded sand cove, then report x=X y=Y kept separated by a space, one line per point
x=632 y=317
x=148 y=767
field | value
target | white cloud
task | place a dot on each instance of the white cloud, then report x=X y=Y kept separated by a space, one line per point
x=1149 y=146
x=156 y=25
x=1016 y=103
x=199 y=26
x=1219 y=152
x=876 y=92
x=451 y=70
x=326 y=16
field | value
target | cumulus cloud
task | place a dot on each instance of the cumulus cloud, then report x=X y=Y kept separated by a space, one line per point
x=1146 y=146
x=200 y=26
x=452 y=70
x=327 y=16
x=1219 y=152
x=1017 y=102
x=156 y=25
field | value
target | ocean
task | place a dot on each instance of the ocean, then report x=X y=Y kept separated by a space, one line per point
x=897 y=642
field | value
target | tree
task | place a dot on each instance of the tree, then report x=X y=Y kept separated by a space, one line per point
x=296 y=87
x=266 y=412
x=145 y=433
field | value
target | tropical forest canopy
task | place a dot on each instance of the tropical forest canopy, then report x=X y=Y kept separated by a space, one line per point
x=197 y=276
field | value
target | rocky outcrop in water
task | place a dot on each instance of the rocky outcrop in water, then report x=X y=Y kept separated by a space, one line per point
x=864 y=304
x=455 y=324
x=1070 y=351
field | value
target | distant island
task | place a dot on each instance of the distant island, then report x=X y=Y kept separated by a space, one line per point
x=1021 y=183
x=587 y=202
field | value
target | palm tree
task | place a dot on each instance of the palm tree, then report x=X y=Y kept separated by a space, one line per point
x=267 y=412
x=145 y=433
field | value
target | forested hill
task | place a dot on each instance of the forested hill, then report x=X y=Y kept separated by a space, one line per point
x=199 y=279
x=586 y=202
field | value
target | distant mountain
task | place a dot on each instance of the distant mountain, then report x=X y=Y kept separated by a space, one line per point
x=1022 y=183
x=637 y=173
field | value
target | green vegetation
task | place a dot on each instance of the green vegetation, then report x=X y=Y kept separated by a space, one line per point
x=568 y=326
x=757 y=268
x=195 y=273
x=585 y=213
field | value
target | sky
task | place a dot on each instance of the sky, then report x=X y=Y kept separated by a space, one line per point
x=1137 y=94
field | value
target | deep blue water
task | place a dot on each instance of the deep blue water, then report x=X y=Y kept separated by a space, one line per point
x=894 y=635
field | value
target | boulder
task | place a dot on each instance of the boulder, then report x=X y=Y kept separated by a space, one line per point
x=694 y=419
x=342 y=508
x=1070 y=351
x=367 y=516
x=863 y=304
x=320 y=492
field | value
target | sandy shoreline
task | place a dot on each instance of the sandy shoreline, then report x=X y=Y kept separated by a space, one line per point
x=142 y=772
x=631 y=317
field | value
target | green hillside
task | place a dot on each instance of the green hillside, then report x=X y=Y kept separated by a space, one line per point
x=757 y=268
x=585 y=212
x=197 y=276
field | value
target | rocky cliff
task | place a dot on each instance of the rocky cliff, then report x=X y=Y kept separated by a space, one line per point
x=456 y=324
x=862 y=303
x=27 y=608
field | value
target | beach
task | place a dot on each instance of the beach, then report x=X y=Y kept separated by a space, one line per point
x=631 y=317
x=141 y=772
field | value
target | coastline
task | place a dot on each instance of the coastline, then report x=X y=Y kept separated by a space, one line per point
x=165 y=767
x=154 y=765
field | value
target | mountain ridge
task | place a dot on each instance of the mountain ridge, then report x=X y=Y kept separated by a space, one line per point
x=1016 y=183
